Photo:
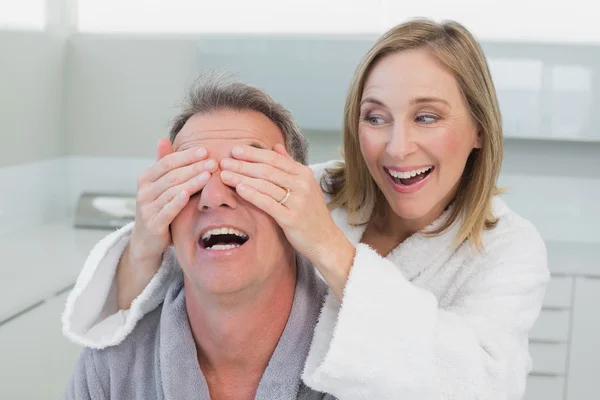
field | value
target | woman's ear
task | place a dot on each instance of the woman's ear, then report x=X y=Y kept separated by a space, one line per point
x=478 y=140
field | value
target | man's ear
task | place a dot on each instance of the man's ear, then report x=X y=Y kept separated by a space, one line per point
x=280 y=149
x=163 y=148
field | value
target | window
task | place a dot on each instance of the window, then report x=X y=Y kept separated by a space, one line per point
x=22 y=14
x=518 y=20
x=232 y=16
x=511 y=20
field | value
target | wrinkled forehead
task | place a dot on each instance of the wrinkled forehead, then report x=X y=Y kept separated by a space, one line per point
x=408 y=74
x=221 y=131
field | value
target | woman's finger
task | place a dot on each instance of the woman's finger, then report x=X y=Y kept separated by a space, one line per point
x=270 y=157
x=169 y=211
x=265 y=187
x=191 y=187
x=263 y=201
x=177 y=177
x=172 y=161
x=259 y=170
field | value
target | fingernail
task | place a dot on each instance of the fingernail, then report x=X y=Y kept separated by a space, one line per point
x=237 y=151
x=210 y=164
x=204 y=176
x=226 y=175
x=227 y=163
x=201 y=152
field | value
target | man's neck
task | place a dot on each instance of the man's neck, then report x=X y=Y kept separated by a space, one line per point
x=236 y=336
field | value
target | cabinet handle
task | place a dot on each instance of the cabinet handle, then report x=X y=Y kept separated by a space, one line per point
x=548 y=341
x=547 y=374
x=591 y=277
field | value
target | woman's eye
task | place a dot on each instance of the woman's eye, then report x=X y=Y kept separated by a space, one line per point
x=426 y=119
x=374 y=120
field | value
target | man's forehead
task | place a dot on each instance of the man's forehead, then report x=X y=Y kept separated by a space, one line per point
x=242 y=128
x=221 y=138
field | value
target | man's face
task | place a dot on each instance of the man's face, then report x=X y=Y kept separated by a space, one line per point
x=223 y=243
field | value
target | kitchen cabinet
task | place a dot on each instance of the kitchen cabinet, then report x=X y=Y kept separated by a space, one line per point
x=584 y=360
x=37 y=360
x=565 y=341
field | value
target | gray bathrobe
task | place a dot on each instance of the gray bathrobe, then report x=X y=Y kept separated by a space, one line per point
x=158 y=360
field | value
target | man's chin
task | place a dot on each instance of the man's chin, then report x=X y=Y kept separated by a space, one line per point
x=219 y=280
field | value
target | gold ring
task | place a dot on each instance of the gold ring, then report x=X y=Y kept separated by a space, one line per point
x=287 y=195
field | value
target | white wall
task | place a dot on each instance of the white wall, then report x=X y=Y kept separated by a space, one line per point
x=31 y=96
x=32 y=172
x=32 y=193
x=122 y=93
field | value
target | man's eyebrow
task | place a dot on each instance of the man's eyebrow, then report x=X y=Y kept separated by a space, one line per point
x=257 y=145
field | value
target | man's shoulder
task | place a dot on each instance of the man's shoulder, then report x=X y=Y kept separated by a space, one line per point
x=122 y=369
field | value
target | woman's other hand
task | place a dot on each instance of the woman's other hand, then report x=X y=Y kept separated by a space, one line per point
x=263 y=178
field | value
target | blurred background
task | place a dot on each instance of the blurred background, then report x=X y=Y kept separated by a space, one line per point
x=87 y=87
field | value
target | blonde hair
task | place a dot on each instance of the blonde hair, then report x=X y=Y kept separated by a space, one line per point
x=352 y=186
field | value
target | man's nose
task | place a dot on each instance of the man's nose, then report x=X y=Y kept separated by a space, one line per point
x=216 y=194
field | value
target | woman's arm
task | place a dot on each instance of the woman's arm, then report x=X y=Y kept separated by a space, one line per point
x=92 y=316
x=131 y=263
x=389 y=339
x=133 y=275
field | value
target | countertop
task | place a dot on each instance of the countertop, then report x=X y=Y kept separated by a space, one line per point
x=43 y=261
x=40 y=262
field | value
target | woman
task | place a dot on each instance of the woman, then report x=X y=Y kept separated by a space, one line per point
x=435 y=283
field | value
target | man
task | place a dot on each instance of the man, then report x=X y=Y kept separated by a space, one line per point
x=237 y=323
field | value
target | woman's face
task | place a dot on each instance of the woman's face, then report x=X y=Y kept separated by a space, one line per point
x=415 y=133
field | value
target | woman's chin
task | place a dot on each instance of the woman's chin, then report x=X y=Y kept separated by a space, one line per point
x=411 y=212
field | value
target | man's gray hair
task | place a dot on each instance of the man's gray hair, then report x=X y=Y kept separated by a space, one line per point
x=214 y=92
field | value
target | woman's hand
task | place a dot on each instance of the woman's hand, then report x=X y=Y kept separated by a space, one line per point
x=263 y=178
x=163 y=191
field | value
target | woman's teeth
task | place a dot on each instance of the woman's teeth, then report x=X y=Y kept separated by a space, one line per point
x=410 y=177
x=408 y=174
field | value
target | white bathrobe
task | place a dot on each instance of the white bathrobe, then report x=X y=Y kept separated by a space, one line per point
x=429 y=321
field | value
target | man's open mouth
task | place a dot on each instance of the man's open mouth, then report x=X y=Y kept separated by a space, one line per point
x=224 y=238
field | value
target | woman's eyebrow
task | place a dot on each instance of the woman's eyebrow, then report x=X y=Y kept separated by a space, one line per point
x=421 y=100
x=371 y=100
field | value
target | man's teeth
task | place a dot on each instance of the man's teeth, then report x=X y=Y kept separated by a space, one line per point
x=223 y=231
x=408 y=174
x=223 y=246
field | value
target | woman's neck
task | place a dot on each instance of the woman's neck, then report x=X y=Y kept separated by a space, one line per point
x=387 y=230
